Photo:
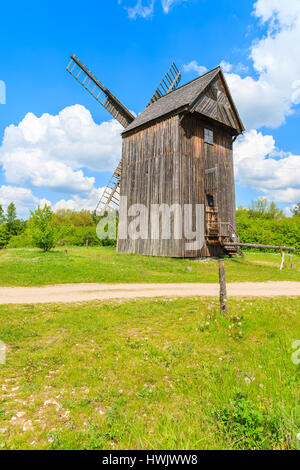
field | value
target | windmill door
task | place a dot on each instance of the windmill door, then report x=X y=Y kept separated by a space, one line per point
x=211 y=204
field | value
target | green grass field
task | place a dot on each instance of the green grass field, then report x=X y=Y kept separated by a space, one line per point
x=30 y=267
x=163 y=374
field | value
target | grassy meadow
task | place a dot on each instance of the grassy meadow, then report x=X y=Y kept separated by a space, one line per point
x=162 y=374
x=32 y=267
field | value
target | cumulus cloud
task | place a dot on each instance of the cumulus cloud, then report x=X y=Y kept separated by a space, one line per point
x=2 y=92
x=146 y=9
x=78 y=203
x=237 y=68
x=193 y=66
x=268 y=99
x=52 y=151
x=261 y=165
x=284 y=12
x=167 y=4
x=25 y=200
x=22 y=197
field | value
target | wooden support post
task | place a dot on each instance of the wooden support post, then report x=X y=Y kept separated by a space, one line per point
x=223 y=291
x=292 y=265
x=282 y=259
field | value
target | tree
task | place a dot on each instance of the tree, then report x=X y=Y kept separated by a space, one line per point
x=43 y=231
x=274 y=212
x=2 y=216
x=11 y=219
x=4 y=236
x=11 y=213
x=263 y=209
x=296 y=210
x=260 y=205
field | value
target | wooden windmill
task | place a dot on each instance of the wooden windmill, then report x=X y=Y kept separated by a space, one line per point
x=87 y=79
x=177 y=151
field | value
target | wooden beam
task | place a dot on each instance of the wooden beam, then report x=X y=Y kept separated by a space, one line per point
x=270 y=247
x=223 y=290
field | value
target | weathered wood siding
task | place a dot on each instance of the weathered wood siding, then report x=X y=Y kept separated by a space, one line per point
x=165 y=164
x=198 y=156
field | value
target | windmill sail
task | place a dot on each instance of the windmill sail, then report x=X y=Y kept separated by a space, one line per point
x=169 y=83
x=88 y=80
x=111 y=194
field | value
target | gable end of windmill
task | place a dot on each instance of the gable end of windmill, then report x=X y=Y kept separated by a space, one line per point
x=207 y=96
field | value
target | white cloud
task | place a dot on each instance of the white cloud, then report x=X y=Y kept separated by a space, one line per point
x=193 y=66
x=271 y=97
x=268 y=100
x=146 y=10
x=167 y=4
x=51 y=151
x=141 y=10
x=237 y=68
x=259 y=164
x=2 y=92
x=78 y=203
x=226 y=66
x=22 y=198
x=283 y=11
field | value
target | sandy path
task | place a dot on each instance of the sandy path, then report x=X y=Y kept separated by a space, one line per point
x=84 y=292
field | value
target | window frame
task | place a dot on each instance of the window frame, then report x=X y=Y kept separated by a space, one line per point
x=211 y=136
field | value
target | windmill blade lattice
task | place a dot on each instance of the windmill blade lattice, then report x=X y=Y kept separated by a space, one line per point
x=88 y=80
x=169 y=83
x=171 y=80
x=111 y=194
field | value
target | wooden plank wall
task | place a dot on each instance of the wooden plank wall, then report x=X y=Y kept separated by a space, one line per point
x=165 y=163
x=151 y=175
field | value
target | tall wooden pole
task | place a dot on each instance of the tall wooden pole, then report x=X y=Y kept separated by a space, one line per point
x=223 y=290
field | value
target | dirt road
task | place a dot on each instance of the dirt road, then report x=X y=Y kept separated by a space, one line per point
x=84 y=292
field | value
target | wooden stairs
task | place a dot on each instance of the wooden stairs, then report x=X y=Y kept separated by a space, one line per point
x=220 y=234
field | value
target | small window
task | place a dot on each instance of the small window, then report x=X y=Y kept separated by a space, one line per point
x=209 y=136
x=210 y=200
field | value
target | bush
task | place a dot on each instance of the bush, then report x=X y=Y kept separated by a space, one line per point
x=21 y=241
x=44 y=235
x=247 y=426
x=4 y=236
x=261 y=229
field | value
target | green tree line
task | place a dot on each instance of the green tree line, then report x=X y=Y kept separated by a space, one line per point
x=45 y=229
x=261 y=223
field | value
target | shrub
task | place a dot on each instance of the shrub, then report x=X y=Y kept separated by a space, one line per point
x=261 y=229
x=21 y=241
x=247 y=426
x=4 y=236
x=43 y=232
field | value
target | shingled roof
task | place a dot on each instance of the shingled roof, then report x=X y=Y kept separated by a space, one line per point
x=182 y=98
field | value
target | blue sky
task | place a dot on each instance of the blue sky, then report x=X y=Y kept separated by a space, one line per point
x=60 y=145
